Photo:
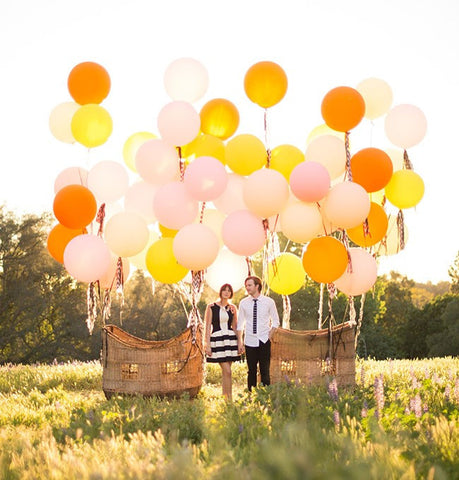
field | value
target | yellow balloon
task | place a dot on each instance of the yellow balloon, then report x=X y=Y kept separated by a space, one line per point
x=323 y=129
x=162 y=264
x=132 y=144
x=91 y=125
x=405 y=189
x=167 y=232
x=285 y=158
x=220 y=118
x=245 y=154
x=286 y=274
x=265 y=83
x=205 y=145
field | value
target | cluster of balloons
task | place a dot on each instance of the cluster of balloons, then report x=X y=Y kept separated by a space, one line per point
x=206 y=199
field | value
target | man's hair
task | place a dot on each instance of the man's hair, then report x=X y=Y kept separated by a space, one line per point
x=226 y=286
x=256 y=281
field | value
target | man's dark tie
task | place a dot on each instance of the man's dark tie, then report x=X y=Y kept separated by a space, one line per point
x=255 y=315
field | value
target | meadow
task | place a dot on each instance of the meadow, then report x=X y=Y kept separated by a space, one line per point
x=400 y=421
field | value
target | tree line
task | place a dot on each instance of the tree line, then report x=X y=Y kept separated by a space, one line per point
x=43 y=311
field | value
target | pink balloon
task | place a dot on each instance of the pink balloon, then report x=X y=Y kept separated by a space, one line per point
x=174 y=207
x=195 y=246
x=108 y=181
x=71 y=176
x=243 y=233
x=232 y=199
x=205 y=178
x=178 y=123
x=360 y=275
x=310 y=181
x=86 y=258
x=405 y=125
x=139 y=198
x=157 y=162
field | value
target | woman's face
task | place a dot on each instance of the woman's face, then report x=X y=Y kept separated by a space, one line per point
x=226 y=293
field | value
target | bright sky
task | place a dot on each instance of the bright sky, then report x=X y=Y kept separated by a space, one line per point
x=411 y=44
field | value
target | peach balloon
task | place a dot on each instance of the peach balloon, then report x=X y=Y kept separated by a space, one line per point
x=108 y=181
x=266 y=192
x=343 y=108
x=74 y=206
x=195 y=246
x=346 y=205
x=205 y=178
x=58 y=239
x=325 y=259
x=186 y=79
x=371 y=168
x=232 y=199
x=310 y=181
x=174 y=207
x=139 y=198
x=377 y=223
x=157 y=162
x=126 y=234
x=86 y=258
x=330 y=151
x=214 y=220
x=405 y=126
x=60 y=120
x=71 y=176
x=178 y=123
x=361 y=274
x=377 y=95
x=243 y=233
x=300 y=222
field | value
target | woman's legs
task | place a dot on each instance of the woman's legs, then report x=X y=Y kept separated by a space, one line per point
x=227 y=382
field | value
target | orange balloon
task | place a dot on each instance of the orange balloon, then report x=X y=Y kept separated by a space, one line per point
x=325 y=259
x=74 y=206
x=377 y=228
x=220 y=118
x=371 y=168
x=343 y=108
x=265 y=83
x=88 y=82
x=58 y=239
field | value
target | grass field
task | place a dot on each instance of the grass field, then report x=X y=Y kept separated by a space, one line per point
x=399 y=422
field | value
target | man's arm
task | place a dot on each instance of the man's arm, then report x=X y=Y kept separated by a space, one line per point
x=240 y=329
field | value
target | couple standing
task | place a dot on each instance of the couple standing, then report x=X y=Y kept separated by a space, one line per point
x=225 y=327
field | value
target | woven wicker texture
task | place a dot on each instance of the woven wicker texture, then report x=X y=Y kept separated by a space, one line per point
x=304 y=356
x=166 y=368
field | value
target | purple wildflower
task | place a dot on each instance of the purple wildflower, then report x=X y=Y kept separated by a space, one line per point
x=362 y=376
x=336 y=418
x=456 y=390
x=364 y=412
x=448 y=393
x=416 y=405
x=379 y=395
x=333 y=390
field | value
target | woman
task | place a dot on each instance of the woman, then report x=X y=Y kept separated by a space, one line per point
x=221 y=340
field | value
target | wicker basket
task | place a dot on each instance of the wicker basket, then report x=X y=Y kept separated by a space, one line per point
x=304 y=356
x=166 y=368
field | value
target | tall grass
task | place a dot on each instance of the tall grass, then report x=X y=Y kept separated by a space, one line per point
x=400 y=421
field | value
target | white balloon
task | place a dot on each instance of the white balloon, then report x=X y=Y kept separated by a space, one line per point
x=186 y=79
x=108 y=181
x=227 y=268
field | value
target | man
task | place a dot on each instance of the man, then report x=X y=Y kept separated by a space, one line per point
x=258 y=318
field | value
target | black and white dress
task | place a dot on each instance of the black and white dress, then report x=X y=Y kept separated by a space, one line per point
x=223 y=340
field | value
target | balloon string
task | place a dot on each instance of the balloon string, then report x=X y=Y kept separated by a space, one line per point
x=268 y=150
x=100 y=219
x=406 y=161
x=348 y=174
x=346 y=244
x=401 y=229
x=181 y=163
x=249 y=266
x=201 y=216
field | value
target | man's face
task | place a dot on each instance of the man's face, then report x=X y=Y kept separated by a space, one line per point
x=251 y=287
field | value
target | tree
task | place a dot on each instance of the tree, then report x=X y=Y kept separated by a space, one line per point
x=453 y=273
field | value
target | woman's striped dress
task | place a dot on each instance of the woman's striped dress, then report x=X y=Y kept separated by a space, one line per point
x=223 y=340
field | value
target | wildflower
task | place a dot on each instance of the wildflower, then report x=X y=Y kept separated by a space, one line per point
x=362 y=376
x=333 y=390
x=336 y=418
x=364 y=411
x=456 y=390
x=379 y=395
x=416 y=406
x=241 y=428
x=448 y=393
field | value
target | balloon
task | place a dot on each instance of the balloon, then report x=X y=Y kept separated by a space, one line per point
x=405 y=126
x=205 y=146
x=71 y=176
x=361 y=274
x=377 y=223
x=265 y=192
x=265 y=83
x=139 y=259
x=405 y=189
x=205 y=179
x=285 y=274
x=396 y=155
x=371 y=168
x=245 y=153
x=174 y=207
x=232 y=198
x=220 y=118
x=325 y=259
x=323 y=129
x=390 y=244
x=162 y=264
x=243 y=233
x=88 y=82
x=214 y=220
x=139 y=198
x=330 y=151
x=346 y=205
x=132 y=144
x=377 y=95
x=285 y=158
x=86 y=258
x=60 y=120
x=195 y=246
x=227 y=268
x=186 y=79
x=178 y=123
x=108 y=181
x=300 y=222
x=167 y=232
x=157 y=162
x=378 y=197
x=108 y=280
x=310 y=181
x=58 y=239
x=74 y=206
x=91 y=125
x=343 y=108
x=126 y=234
